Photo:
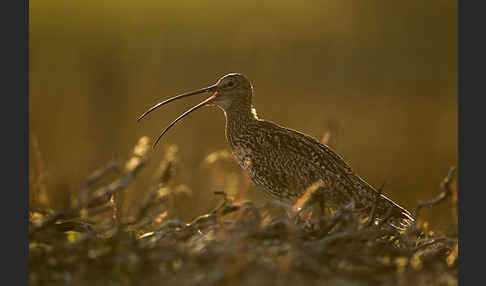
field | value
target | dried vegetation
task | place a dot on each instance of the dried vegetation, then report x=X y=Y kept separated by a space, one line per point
x=238 y=243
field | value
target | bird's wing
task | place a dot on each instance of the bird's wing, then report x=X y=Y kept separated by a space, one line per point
x=307 y=149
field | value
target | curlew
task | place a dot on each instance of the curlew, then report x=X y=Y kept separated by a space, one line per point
x=282 y=162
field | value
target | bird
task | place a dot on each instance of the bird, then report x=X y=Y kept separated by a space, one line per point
x=283 y=162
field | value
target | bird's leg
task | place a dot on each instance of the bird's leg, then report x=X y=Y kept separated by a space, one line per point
x=321 y=201
x=313 y=195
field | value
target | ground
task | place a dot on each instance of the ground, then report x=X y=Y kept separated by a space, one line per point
x=237 y=243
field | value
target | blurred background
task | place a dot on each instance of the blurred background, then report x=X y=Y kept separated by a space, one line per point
x=379 y=76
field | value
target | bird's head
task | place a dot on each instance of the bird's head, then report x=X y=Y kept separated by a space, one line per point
x=231 y=92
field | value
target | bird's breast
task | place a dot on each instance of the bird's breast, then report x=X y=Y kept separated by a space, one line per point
x=242 y=156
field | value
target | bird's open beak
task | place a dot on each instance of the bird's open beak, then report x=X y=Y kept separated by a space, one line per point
x=209 y=100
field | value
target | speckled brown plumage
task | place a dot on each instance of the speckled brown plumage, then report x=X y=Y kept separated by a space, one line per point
x=283 y=162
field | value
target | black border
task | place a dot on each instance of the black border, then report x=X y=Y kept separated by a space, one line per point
x=15 y=113
x=471 y=78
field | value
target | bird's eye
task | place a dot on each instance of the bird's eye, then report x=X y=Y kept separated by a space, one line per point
x=230 y=84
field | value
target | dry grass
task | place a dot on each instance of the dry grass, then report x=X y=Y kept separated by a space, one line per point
x=240 y=242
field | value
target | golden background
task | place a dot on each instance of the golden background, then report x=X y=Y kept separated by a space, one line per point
x=381 y=76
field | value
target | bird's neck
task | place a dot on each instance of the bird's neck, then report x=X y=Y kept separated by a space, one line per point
x=238 y=123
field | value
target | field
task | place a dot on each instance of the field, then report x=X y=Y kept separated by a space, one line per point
x=240 y=242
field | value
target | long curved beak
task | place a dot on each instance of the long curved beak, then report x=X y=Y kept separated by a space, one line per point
x=207 y=101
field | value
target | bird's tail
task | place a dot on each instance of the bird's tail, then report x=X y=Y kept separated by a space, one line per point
x=383 y=209
x=393 y=214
